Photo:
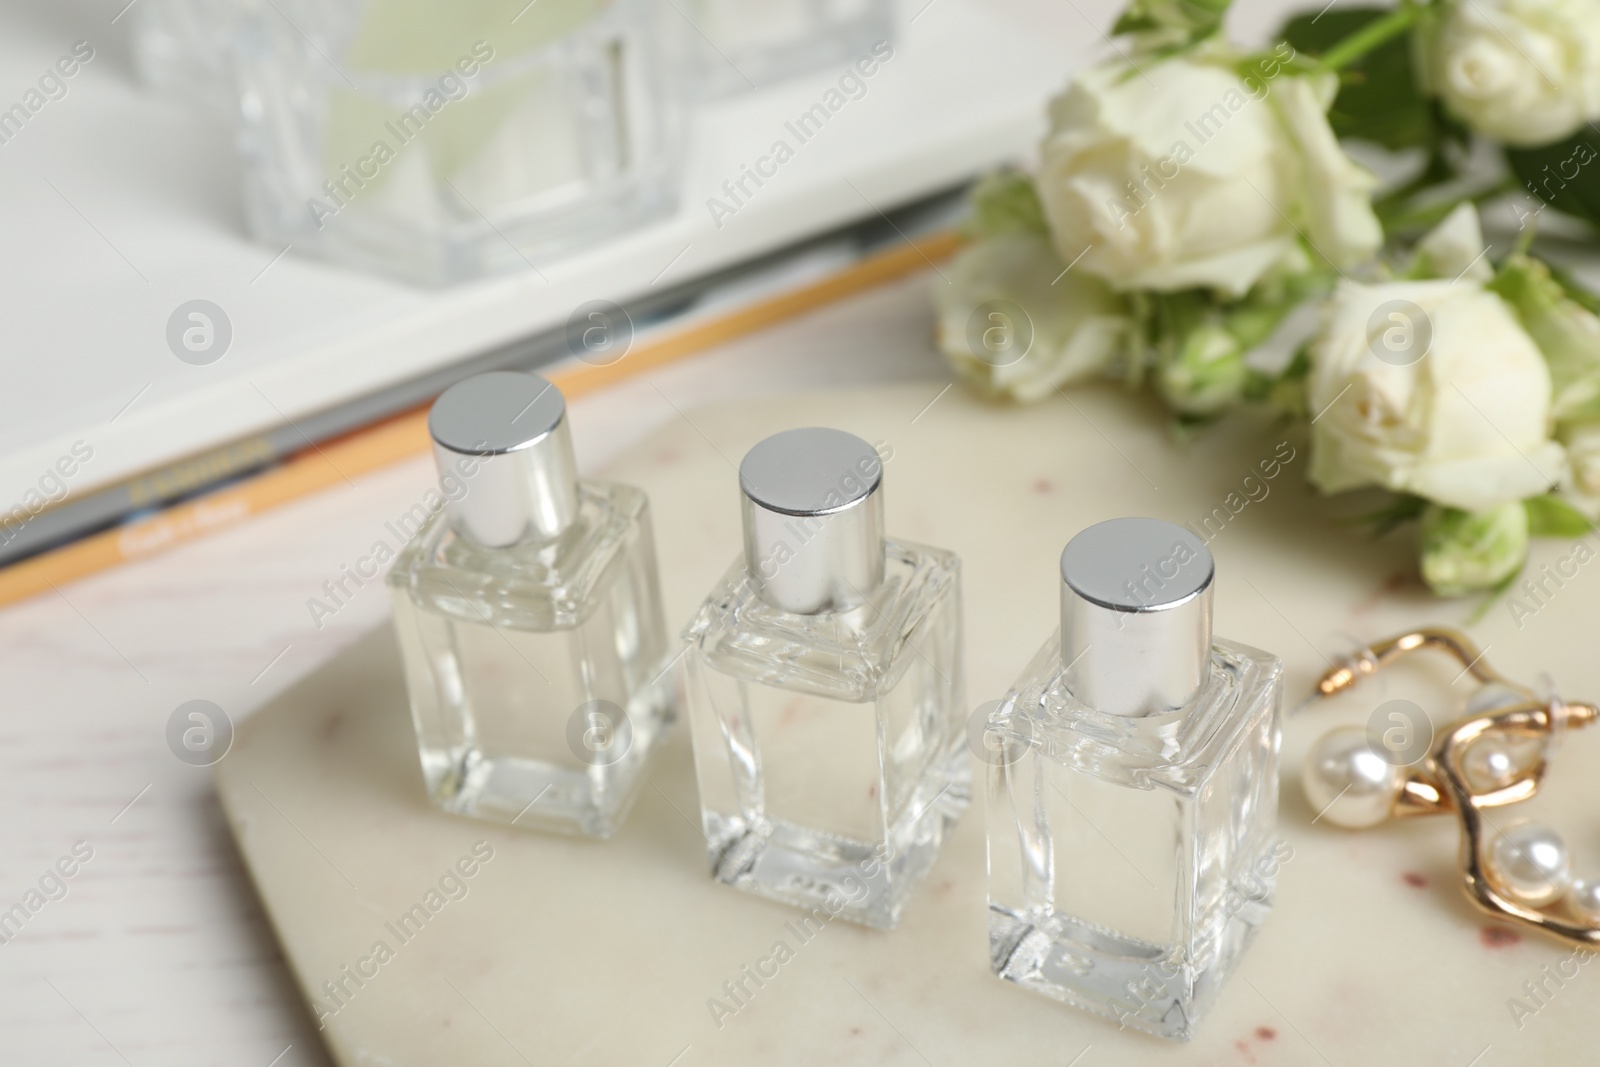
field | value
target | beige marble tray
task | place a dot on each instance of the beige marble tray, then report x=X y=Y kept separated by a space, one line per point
x=560 y=951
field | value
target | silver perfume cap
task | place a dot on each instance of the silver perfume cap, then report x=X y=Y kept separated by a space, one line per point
x=505 y=458
x=813 y=519
x=1136 y=616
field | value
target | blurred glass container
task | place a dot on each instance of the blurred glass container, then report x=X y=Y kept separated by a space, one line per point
x=440 y=141
x=750 y=44
x=182 y=46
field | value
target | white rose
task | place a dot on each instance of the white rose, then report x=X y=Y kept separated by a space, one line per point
x=1183 y=174
x=1524 y=71
x=1333 y=203
x=1582 y=484
x=1463 y=552
x=1454 y=249
x=1456 y=410
x=1015 y=325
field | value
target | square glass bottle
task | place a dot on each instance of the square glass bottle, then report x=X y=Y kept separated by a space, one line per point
x=441 y=141
x=825 y=690
x=1133 y=789
x=528 y=611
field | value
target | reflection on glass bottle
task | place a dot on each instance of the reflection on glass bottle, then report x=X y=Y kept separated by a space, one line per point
x=825 y=689
x=1133 y=789
x=529 y=616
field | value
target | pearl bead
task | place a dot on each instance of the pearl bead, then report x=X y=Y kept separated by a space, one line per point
x=1348 y=781
x=1529 y=862
x=1583 y=897
x=1488 y=764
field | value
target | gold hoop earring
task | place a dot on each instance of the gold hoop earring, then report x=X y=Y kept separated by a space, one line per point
x=1496 y=755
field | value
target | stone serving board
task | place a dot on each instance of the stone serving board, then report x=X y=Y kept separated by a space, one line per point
x=567 y=951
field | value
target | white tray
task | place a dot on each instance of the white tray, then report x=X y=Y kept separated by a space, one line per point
x=569 y=951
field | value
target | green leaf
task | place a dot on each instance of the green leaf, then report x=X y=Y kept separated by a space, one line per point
x=1299 y=368
x=1178 y=23
x=1131 y=21
x=1550 y=516
x=1315 y=35
x=1005 y=202
x=1563 y=174
x=1173 y=315
x=1379 y=99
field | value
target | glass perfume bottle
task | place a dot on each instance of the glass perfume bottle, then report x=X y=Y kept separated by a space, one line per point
x=825 y=689
x=528 y=611
x=440 y=141
x=1133 y=789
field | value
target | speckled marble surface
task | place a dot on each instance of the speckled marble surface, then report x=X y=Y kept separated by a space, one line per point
x=564 y=951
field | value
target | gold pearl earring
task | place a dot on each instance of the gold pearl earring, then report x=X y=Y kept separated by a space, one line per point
x=1497 y=754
